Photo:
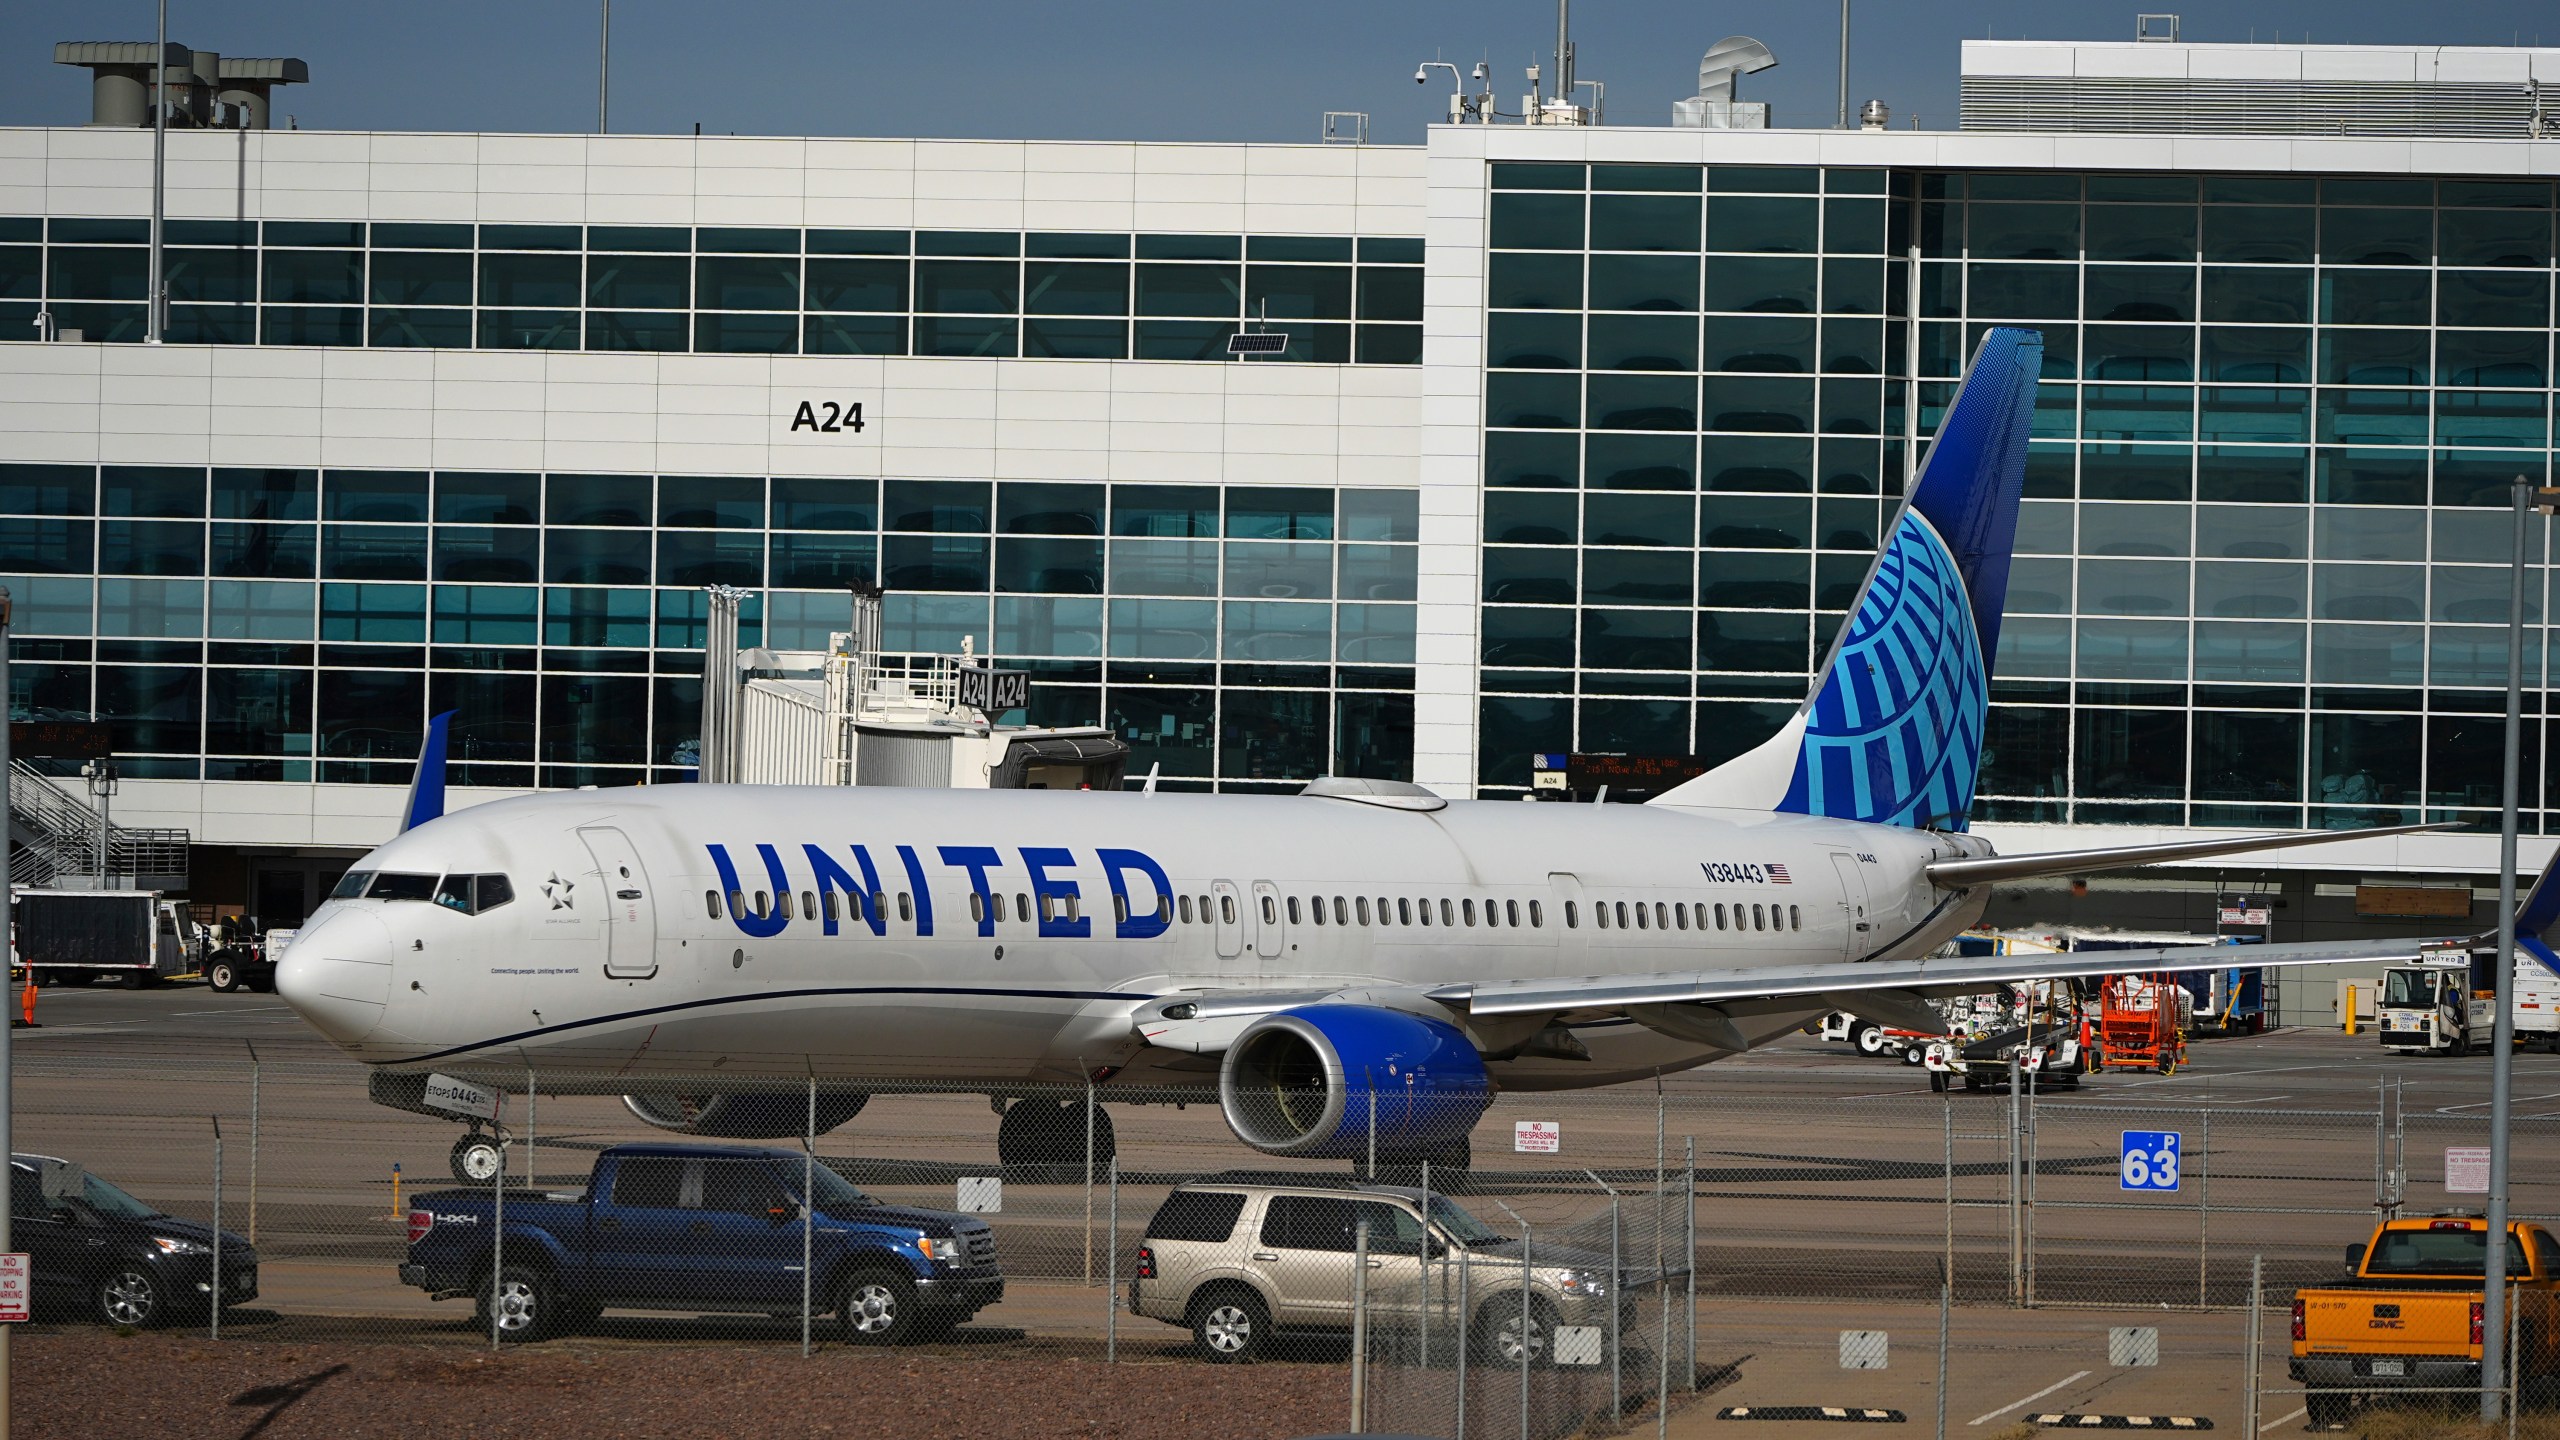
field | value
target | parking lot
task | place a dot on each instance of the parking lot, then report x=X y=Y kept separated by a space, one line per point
x=1823 y=1182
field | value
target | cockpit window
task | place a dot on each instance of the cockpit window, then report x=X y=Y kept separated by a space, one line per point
x=389 y=885
x=351 y=884
x=472 y=894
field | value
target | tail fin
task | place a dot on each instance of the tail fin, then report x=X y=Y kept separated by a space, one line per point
x=1893 y=730
x=2537 y=913
x=426 y=788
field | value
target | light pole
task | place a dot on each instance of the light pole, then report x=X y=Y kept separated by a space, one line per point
x=101 y=775
x=155 y=312
x=2502 y=1042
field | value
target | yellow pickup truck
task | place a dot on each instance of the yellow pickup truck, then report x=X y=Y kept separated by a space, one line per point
x=2409 y=1314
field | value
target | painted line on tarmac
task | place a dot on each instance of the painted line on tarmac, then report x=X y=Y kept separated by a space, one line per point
x=2476 y=1104
x=2298 y=1413
x=243 y=1010
x=2030 y=1400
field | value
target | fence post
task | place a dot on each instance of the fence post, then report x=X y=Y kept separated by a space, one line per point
x=1111 y=1264
x=1526 y=1316
x=532 y=1139
x=1689 y=1248
x=1429 y=1297
x=1360 y=1328
x=213 y=1320
x=1947 y=1116
x=2204 y=1204
x=808 y=1209
x=498 y=1240
x=254 y=1068
x=2257 y=1301
x=1661 y=1281
x=1088 y=1179
x=1466 y=1338
x=2027 y=1214
x=2017 y=1193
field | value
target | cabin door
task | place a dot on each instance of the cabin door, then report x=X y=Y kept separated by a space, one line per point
x=631 y=922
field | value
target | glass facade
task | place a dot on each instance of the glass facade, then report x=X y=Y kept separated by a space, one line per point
x=282 y=624
x=722 y=289
x=2262 y=556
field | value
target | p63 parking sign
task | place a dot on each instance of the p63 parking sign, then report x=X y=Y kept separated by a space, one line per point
x=2149 y=1160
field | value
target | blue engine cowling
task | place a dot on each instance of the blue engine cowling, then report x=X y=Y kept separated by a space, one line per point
x=1298 y=1083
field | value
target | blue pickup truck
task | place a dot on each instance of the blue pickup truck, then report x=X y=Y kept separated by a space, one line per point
x=702 y=1229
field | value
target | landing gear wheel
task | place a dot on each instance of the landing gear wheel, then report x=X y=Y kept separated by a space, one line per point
x=475 y=1159
x=128 y=1295
x=1499 y=1324
x=1043 y=1133
x=528 y=1304
x=1869 y=1039
x=2326 y=1411
x=878 y=1307
x=222 y=976
x=1229 y=1324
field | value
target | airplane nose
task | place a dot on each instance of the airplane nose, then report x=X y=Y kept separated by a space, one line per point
x=337 y=975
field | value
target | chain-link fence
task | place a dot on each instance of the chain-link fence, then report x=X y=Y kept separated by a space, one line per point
x=1581 y=1259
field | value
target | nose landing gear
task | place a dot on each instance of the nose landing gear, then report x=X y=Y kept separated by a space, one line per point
x=475 y=1157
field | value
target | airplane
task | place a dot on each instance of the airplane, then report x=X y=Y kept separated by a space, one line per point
x=1351 y=972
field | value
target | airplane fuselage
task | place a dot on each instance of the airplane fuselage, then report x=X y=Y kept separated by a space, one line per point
x=734 y=934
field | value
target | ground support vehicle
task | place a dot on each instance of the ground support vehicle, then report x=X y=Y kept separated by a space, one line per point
x=76 y=936
x=239 y=958
x=2053 y=1053
x=2142 y=1023
x=100 y=1251
x=2410 y=1312
x=2432 y=1009
x=1238 y=1260
x=702 y=1229
x=1871 y=1038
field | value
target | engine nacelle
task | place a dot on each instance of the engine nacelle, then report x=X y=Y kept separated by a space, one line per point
x=1298 y=1083
x=778 y=1115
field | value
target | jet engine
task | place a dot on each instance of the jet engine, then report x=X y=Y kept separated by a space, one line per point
x=776 y=1115
x=1299 y=1082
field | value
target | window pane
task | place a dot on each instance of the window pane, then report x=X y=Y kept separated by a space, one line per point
x=529 y=281
x=632 y=282
x=746 y=283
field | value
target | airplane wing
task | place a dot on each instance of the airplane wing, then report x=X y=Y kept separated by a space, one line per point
x=1937 y=975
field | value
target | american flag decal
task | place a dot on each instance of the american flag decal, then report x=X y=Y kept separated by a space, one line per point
x=1778 y=874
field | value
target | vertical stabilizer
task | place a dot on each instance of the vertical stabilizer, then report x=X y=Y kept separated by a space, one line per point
x=1892 y=733
x=426 y=788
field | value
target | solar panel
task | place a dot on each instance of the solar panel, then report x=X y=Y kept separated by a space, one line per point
x=1267 y=342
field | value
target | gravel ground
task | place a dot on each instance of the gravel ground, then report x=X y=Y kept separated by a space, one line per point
x=85 y=1384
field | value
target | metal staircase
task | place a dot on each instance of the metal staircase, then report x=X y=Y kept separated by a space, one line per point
x=54 y=841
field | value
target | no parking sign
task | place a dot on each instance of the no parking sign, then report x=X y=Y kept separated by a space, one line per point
x=2148 y=1161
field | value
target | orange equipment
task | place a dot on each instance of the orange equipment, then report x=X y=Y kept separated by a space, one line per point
x=2138 y=1014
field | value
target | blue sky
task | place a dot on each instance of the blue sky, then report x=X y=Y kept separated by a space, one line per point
x=1145 y=70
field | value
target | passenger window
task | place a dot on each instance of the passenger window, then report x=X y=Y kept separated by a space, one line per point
x=1448 y=912
x=1120 y=909
x=1536 y=919
x=880 y=904
x=1599 y=914
x=1422 y=909
x=764 y=904
x=1363 y=903
x=1571 y=920
x=977 y=909
x=1404 y=911
x=1719 y=914
x=1022 y=908
x=656 y=1182
x=1759 y=920
x=1643 y=922
x=1467 y=911
x=906 y=907
x=737 y=904
x=741 y=1188
x=1622 y=914
x=1186 y=909
x=1680 y=913
x=1795 y=918
x=1075 y=909
x=711 y=903
x=1661 y=919
x=808 y=904
x=1702 y=914
x=1270 y=912
x=1048 y=907
x=1164 y=909
x=1226 y=909
x=1315 y=909
x=827 y=904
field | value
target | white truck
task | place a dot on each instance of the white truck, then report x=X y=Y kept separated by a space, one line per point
x=2430 y=1008
x=75 y=936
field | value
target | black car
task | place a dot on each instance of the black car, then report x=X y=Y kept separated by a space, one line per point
x=99 y=1250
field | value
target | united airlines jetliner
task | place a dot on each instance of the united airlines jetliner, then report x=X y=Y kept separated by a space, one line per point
x=688 y=946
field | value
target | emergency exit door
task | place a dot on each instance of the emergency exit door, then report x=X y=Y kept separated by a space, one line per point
x=631 y=921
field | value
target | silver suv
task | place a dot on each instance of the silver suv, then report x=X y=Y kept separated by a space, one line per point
x=1238 y=1261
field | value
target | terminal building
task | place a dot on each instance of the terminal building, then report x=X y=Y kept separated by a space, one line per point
x=1573 y=439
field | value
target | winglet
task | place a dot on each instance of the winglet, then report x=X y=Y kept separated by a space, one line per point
x=426 y=788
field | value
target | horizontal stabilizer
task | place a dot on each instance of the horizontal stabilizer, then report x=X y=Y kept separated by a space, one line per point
x=1945 y=975
x=1991 y=869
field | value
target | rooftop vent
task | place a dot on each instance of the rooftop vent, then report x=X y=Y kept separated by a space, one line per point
x=206 y=91
x=1714 y=108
